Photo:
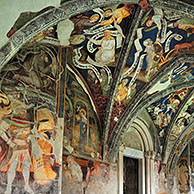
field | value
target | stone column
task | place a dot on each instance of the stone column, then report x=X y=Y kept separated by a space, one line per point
x=120 y=170
x=149 y=164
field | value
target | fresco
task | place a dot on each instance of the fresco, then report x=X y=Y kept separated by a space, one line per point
x=55 y=90
x=96 y=42
x=178 y=181
x=160 y=184
x=34 y=67
x=183 y=73
x=82 y=126
x=98 y=35
x=163 y=110
x=159 y=38
x=24 y=18
x=183 y=176
x=125 y=93
x=88 y=176
x=30 y=136
x=184 y=119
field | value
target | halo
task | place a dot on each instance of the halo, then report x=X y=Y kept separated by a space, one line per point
x=148 y=23
x=84 y=112
x=106 y=14
x=95 y=17
x=70 y=158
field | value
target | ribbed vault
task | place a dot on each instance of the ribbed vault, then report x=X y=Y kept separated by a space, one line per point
x=100 y=92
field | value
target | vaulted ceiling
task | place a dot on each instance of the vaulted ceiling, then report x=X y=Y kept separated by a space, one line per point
x=126 y=59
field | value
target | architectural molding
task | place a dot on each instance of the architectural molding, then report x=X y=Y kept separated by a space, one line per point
x=142 y=129
x=121 y=62
x=46 y=20
x=150 y=155
x=176 y=5
x=144 y=135
x=179 y=146
x=142 y=161
x=116 y=139
x=133 y=153
x=183 y=103
x=142 y=96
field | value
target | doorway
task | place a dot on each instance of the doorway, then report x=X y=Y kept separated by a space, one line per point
x=130 y=175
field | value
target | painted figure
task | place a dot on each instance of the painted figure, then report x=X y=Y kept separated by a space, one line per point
x=119 y=14
x=156 y=18
x=148 y=43
x=131 y=92
x=83 y=129
x=94 y=83
x=43 y=172
x=106 y=53
x=180 y=124
x=75 y=176
x=91 y=144
x=38 y=71
x=104 y=82
x=186 y=24
x=183 y=176
x=92 y=178
x=81 y=22
x=19 y=129
x=87 y=138
x=122 y=91
x=46 y=33
x=75 y=169
x=173 y=105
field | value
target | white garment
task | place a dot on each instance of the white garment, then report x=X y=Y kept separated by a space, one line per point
x=76 y=172
x=107 y=52
x=158 y=14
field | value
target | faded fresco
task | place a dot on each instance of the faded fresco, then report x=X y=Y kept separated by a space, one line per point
x=88 y=176
x=96 y=41
x=183 y=175
x=183 y=120
x=160 y=37
x=30 y=135
x=160 y=184
x=179 y=181
x=82 y=127
x=24 y=18
x=163 y=111
x=34 y=67
x=54 y=94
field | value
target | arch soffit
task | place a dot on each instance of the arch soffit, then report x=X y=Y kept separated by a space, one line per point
x=179 y=146
x=67 y=10
x=166 y=141
x=117 y=138
x=46 y=20
x=141 y=101
x=143 y=131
